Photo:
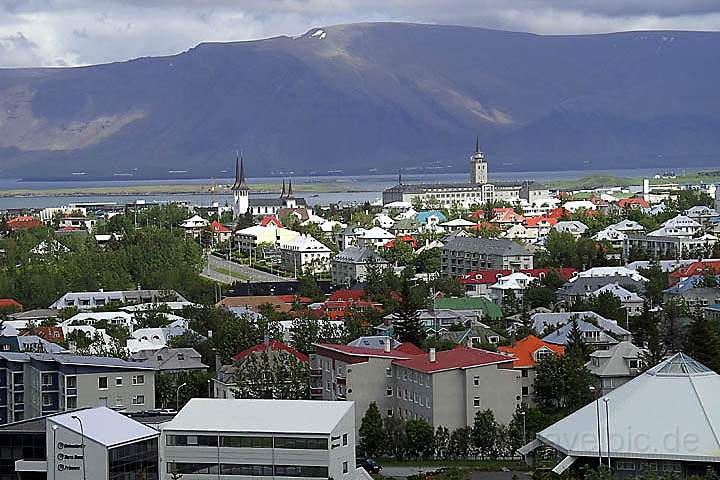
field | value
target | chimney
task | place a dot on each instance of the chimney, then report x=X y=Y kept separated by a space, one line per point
x=432 y=355
x=387 y=344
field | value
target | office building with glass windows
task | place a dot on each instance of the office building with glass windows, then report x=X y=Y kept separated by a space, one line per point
x=213 y=438
x=37 y=384
x=93 y=443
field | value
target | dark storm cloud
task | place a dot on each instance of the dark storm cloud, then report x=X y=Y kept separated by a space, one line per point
x=91 y=31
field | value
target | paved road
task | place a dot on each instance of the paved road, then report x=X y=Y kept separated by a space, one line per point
x=406 y=471
x=214 y=263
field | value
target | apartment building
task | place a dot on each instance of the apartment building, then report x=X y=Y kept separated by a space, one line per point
x=350 y=265
x=444 y=388
x=305 y=254
x=210 y=438
x=36 y=384
x=462 y=255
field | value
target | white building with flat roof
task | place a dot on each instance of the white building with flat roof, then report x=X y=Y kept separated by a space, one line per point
x=210 y=438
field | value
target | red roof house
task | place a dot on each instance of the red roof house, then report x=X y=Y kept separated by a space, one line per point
x=9 y=304
x=460 y=357
x=525 y=351
x=23 y=222
x=217 y=227
x=271 y=220
x=405 y=239
x=634 y=202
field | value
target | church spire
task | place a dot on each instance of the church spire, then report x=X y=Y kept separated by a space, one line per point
x=289 y=190
x=399 y=177
x=477 y=144
x=239 y=173
x=282 y=194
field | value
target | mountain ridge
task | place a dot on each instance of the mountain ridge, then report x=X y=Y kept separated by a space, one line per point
x=372 y=96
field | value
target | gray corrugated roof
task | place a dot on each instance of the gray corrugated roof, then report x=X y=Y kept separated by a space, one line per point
x=492 y=246
x=586 y=285
x=169 y=359
x=267 y=416
x=104 y=426
x=358 y=255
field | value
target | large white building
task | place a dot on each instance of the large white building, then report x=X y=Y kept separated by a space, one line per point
x=476 y=191
x=305 y=254
x=210 y=438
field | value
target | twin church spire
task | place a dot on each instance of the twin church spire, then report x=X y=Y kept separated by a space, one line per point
x=241 y=185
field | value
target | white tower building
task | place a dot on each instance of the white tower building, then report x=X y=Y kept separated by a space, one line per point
x=241 y=192
x=478 y=166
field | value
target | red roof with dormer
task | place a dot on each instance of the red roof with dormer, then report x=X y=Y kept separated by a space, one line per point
x=524 y=350
x=633 y=202
x=217 y=227
x=268 y=219
x=272 y=345
x=697 y=268
x=23 y=222
x=405 y=239
x=460 y=357
x=537 y=221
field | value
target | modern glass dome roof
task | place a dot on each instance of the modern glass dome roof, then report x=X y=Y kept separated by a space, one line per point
x=680 y=364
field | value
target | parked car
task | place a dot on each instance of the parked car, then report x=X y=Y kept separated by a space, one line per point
x=370 y=465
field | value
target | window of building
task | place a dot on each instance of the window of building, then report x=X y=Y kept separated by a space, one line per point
x=138 y=400
x=71 y=382
x=181 y=356
x=47 y=400
x=138 y=379
x=525 y=391
x=476 y=402
x=301 y=443
x=524 y=372
x=118 y=381
x=246 y=442
x=633 y=363
x=345 y=467
x=246 y=470
x=476 y=381
x=389 y=391
x=388 y=372
x=135 y=460
x=47 y=379
x=118 y=401
x=102 y=401
x=345 y=439
x=71 y=403
x=102 y=383
x=301 y=471
x=192 y=440
x=390 y=412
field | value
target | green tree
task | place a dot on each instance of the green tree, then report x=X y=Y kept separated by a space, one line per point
x=576 y=346
x=461 y=442
x=371 y=433
x=538 y=295
x=395 y=437
x=428 y=261
x=419 y=438
x=306 y=331
x=273 y=375
x=407 y=324
x=703 y=342
x=484 y=433
x=562 y=384
x=441 y=444
x=166 y=388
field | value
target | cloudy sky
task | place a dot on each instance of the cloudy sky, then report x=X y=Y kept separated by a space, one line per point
x=78 y=32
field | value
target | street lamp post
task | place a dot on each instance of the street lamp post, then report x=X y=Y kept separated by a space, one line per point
x=607 y=428
x=177 y=396
x=54 y=428
x=597 y=415
x=82 y=444
x=522 y=413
